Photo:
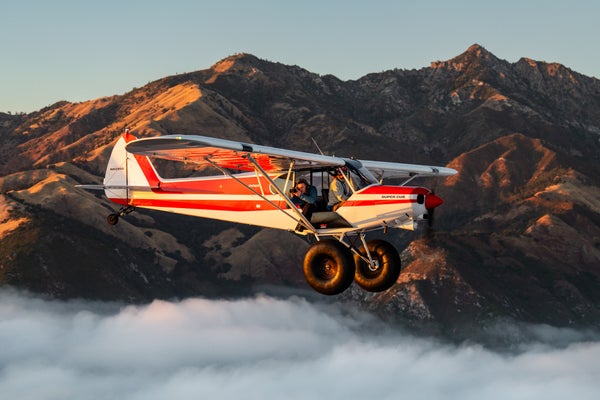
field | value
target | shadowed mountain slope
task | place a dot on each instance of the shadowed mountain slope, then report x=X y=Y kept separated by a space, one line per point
x=518 y=235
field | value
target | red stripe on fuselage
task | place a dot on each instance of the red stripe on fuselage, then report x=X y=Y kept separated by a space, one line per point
x=222 y=205
x=386 y=195
x=384 y=189
x=119 y=200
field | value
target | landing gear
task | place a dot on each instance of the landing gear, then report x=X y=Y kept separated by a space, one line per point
x=329 y=267
x=113 y=218
x=384 y=270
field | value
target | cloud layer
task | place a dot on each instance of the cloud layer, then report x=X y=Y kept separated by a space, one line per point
x=263 y=348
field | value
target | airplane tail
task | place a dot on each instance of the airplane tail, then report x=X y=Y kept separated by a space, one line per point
x=127 y=172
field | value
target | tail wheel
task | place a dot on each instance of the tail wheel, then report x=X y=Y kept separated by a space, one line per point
x=382 y=276
x=112 y=219
x=329 y=267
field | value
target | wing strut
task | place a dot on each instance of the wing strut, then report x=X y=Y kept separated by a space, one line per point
x=292 y=205
x=302 y=218
x=412 y=176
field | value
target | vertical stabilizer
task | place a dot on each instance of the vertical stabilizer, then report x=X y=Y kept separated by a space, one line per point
x=126 y=172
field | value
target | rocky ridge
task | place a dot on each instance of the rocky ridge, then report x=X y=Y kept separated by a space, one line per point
x=517 y=237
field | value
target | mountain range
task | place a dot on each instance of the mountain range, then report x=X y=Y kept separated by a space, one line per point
x=518 y=235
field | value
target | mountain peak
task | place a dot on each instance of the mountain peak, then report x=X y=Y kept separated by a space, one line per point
x=474 y=55
x=554 y=70
x=243 y=63
x=239 y=59
x=477 y=50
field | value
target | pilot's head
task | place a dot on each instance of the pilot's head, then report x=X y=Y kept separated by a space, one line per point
x=339 y=173
x=301 y=185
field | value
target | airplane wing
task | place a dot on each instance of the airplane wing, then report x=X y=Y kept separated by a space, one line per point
x=233 y=155
x=228 y=154
x=381 y=169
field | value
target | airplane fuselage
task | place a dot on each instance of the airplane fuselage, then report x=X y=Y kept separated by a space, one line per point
x=255 y=202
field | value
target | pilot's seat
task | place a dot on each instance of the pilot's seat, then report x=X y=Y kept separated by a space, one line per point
x=321 y=204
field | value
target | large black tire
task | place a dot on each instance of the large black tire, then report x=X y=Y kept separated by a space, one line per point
x=386 y=274
x=329 y=267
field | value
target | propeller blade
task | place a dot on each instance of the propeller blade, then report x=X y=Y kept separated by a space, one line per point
x=430 y=216
x=431 y=202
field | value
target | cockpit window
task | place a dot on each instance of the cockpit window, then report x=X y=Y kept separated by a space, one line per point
x=367 y=177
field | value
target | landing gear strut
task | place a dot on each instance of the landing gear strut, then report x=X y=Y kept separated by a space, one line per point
x=113 y=218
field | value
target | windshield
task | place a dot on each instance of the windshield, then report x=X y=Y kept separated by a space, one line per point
x=366 y=176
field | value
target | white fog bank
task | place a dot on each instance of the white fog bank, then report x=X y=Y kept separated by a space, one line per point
x=261 y=348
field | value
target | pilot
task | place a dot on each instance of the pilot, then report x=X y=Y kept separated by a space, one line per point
x=304 y=195
x=338 y=190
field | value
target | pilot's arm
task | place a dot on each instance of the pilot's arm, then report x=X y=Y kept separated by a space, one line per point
x=310 y=196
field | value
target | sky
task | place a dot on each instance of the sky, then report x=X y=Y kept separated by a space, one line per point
x=267 y=348
x=79 y=50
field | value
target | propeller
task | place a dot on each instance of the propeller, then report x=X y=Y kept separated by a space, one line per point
x=430 y=217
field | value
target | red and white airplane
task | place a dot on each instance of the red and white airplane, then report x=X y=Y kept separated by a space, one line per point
x=253 y=187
